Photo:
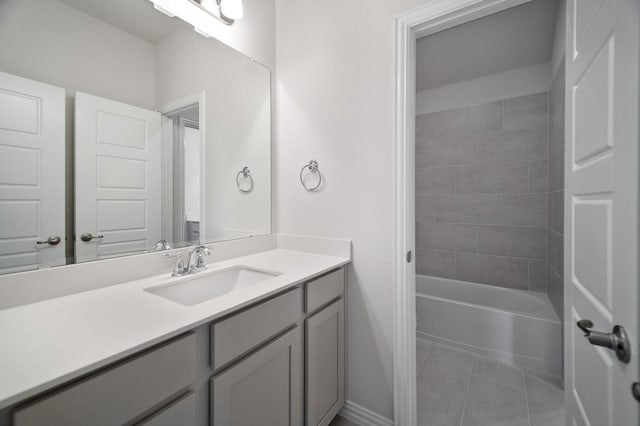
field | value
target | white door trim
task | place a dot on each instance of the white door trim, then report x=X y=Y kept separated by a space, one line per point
x=174 y=107
x=435 y=16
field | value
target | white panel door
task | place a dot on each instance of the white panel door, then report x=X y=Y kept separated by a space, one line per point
x=31 y=174
x=601 y=235
x=118 y=178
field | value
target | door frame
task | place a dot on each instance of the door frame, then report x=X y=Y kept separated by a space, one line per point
x=174 y=107
x=180 y=170
x=430 y=18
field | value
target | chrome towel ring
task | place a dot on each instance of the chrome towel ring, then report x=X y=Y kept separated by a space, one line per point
x=246 y=173
x=313 y=168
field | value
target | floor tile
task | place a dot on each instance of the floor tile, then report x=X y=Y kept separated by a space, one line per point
x=458 y=388
x=496 y=395
x=546 y=401
x=442 y=383
x=422 y=350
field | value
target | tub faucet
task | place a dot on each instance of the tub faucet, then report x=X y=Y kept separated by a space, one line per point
x=196 y=259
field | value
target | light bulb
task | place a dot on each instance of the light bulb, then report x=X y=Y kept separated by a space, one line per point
x=210 y=5
x=232 y=9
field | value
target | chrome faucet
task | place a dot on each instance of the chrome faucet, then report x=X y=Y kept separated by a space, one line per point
x=194 y=265
x=196 y=259
x=163 y=245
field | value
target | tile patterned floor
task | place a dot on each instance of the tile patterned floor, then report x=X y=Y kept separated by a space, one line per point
x=457 y=388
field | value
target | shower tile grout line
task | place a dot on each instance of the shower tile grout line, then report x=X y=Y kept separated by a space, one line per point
x=481 y=224
x=455 y=265
x=533 y=259
x=466 y=392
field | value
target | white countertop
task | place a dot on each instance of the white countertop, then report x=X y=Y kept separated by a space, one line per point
x=48 y=343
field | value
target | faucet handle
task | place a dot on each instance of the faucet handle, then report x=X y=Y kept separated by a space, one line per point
x=179 y=269
x=196 y=259
x=163 y=245
x=202 y=249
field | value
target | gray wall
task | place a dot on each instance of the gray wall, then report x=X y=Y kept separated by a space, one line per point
x=513 y=38
x=556 y=191
x=481 y=193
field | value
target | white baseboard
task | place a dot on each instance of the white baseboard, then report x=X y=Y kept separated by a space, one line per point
x=362 y=416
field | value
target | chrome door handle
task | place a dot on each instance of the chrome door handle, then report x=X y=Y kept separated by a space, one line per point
x=87 y=236
x=617 y=340
x=635 y=391
x=53 y=241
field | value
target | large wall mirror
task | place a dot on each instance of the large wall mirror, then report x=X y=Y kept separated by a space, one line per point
x=123 y=131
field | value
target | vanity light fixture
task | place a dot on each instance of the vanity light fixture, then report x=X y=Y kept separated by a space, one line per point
x=199 y=12
x=231 y=9
x=225 y=10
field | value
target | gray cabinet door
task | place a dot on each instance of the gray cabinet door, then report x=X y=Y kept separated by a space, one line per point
x=181 y=412
x=325 y=364
x=265 y=388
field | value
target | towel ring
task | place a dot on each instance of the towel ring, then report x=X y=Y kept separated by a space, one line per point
x=247 y=174
x=313 y=168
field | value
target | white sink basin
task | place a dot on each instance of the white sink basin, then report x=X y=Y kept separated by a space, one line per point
x=204 y=286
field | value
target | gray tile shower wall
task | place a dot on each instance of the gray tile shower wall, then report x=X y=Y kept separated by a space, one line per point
x=482 y=182
x=555 y=219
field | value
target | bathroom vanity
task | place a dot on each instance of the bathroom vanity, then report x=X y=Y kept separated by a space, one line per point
x=270 y=352
x=94 y=329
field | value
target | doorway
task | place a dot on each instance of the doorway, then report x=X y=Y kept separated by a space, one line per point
x=571 y=271
x=183 y=198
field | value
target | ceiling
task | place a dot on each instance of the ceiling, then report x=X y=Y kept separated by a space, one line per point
x=137 y=17
x=514 y=38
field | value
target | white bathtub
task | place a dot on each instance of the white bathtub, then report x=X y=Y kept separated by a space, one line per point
x=515 y=326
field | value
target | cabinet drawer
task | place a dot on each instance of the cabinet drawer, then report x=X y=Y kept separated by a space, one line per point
x=239 y=333
x=324 y=289
x=181 y=412
x=120 y=393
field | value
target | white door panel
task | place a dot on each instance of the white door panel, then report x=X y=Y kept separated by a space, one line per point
x=601 y=235
x=19 y=107
x=31 y=173
x=118 y=178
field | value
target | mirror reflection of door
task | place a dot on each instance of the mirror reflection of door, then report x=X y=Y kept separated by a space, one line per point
x=124 y=51
x=32 y=229
x=118 y=178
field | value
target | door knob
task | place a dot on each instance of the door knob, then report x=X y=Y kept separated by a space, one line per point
x=635 y=391
x=53 y=241
x=87 y=236
x=617 y=340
